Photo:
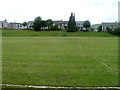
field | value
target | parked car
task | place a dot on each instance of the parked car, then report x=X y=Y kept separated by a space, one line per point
x=95 y=30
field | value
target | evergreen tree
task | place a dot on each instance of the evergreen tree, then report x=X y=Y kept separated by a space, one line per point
x=72 y=24
x=37 y=24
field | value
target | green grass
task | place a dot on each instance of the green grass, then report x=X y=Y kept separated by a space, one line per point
x=59 y=61
x=27 y=33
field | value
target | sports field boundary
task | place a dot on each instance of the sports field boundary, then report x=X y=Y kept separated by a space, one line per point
x=57 y=87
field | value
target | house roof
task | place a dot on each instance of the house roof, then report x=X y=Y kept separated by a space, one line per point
x=14 y=23
x=109 y=23
x=30 y=21
x=57 y=22
x=65 y=22
x=80 y=22
x=60 y=22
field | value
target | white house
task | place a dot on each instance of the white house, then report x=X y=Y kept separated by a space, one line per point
x=80 y=24
x=14 y=25
x=61 y=24
x=64 y=24
x=111 y=25
x=4 y=24
x=30 y=24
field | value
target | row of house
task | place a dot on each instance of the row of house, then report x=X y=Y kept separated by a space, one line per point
x=61 y=24
x=13 y=25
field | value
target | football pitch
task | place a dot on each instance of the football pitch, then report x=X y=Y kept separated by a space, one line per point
x=60 y=61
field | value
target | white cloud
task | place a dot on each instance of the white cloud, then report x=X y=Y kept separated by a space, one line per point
x=96 y=11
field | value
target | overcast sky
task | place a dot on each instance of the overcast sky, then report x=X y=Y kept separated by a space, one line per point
x=96 y=11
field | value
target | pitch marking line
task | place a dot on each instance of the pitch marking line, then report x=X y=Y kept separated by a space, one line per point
x=32 y=86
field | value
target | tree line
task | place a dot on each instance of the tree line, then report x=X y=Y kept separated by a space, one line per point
x=40 y=24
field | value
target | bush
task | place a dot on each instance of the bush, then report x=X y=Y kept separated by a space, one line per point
x=108 y=29
x=55 y=28
x=115 y=31
x=73 y=29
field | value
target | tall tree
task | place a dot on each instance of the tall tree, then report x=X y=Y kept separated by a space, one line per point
x=72 y=24
x=87 y=24
x=37 y=24
x=49 y=23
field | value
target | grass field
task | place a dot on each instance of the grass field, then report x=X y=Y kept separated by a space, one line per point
x=31 y=33
x=60 y=61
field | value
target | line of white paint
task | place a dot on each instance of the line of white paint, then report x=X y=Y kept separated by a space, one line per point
x=32 y=86
x=101 y=60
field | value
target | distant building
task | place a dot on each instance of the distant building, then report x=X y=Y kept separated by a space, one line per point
x=64 y=24
x=111 y=25
x=30 y=24
x=3 y=24
x=61 y=24
x=80 y=25
x=14 y=25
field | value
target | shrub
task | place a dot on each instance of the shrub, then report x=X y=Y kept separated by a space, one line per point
x=73 y=29
x=55 y=28
x=115 y=31
x=108 y=29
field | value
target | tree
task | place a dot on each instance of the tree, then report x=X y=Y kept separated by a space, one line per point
x=72 y=24
x=100 y=28
x=25 y=24
x=37 y=23
x=49 y=23
x=87 y=24
x=43 y=24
